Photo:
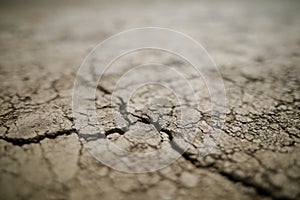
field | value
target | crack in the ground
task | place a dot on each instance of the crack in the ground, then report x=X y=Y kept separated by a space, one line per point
x=103 y=89
x=259 y=189
x=38 y=138
x=94 y=137
x=231 y=177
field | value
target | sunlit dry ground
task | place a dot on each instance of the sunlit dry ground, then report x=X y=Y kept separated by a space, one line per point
x=256 y=46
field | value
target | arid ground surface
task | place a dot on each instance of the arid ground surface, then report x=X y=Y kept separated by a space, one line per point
x=256 y=47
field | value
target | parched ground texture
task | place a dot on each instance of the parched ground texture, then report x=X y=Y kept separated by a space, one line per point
x=256 y=46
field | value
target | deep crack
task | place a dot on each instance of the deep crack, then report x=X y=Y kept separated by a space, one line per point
x=37 y=139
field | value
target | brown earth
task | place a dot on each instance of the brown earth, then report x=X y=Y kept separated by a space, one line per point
x=256 y=46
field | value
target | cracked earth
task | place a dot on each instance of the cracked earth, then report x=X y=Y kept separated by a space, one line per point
x=256 y=47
